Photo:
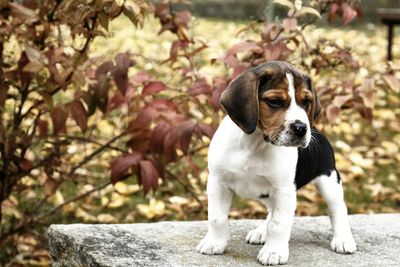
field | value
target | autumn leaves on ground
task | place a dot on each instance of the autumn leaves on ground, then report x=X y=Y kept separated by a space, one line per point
x=110 y=123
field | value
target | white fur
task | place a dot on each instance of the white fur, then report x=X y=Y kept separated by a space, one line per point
x=246 y=164
x=332 y=192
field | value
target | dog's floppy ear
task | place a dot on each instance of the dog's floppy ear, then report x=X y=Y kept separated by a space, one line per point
x=316 y=104
x=240 y=101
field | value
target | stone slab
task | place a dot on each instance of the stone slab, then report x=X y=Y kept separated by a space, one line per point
x=174 y=243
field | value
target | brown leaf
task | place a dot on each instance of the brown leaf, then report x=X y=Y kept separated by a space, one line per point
x=26 y=165
x=289 y=24
x=116 y=101
x=23 y=12
x=148 y=175
x=59 y=117
x=368 y=98
x=185 y=130
x=104 y=68
x=219 y=85
x=43 y=128
x=78 y=114
x=348 y=13
x=393 y=82
x=242 y=47
x=103 y=19
x=153 y=88
x=332 y=113
x=141 y=77
x=120 y=74
x=33 y=54
x=200 y=86
x=275 y=51
x=182 y=18
x=158 y=136
x=50 y=186
x=122 y=163
x=143 y=119
x=340 y=100
x=169 y=146
x=205 y=129
x=33 y=66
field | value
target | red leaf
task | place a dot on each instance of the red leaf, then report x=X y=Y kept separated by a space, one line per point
x=153 y=88
x=242 y=47
x=78 y=113
x=205 y=129
x=141 y=77
x=120 y=74
x=59 y=117
x=185 y=130
x=238 y=69
x=200 y=86
x=101 y=89
x=104 y=68
x=144 y=117
x=160 y=168
x=116 y=101
x=231 y=61
x=348 y=13
x=169 y=146
x=26 y=165
x=42 y=127
x=289 y=24
x=276 y=51
x=182 y=18
x=140 y=140
x=158 y=136
x=121 y=164
x=340 y=100
x=393 y=82
x=332 y=113
x=219 y=84
x=148 y=175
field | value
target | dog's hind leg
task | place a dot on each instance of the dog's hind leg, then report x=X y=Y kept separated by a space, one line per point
x=219 y=202
x=330 y=187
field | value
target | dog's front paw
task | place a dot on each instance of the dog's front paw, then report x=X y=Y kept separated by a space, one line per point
x=211 y=245
x=273 y=256
x=344 y=245
x=257 y=236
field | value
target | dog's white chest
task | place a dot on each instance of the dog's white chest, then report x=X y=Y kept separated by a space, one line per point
x=254 y=187
x=248 y=165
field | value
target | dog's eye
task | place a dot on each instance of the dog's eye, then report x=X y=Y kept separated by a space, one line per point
x=306 y=103
x=274 y=103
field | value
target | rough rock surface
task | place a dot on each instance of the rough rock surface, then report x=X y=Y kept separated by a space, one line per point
x=174 y=243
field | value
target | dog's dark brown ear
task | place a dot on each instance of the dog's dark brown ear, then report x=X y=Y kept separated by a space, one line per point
x=316 y=105
x=240 y=101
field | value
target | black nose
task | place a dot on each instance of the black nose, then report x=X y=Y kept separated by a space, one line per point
x=299 y=128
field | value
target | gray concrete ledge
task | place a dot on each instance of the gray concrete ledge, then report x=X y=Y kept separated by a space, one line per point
x=174 y=243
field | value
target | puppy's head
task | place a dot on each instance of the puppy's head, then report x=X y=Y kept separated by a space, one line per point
x=278 y=99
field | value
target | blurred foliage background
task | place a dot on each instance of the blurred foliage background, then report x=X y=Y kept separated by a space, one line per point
x=108 y=106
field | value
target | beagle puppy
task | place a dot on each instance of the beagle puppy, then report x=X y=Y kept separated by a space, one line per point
x=266 y=149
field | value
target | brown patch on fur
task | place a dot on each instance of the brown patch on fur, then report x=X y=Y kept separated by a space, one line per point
x=303 y=94
x=271 y=121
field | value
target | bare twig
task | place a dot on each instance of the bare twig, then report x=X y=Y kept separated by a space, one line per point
x=73 y=199
x=96 y=152
x=187 y=187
